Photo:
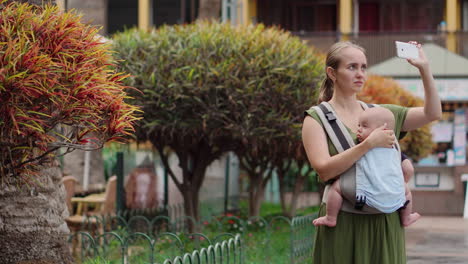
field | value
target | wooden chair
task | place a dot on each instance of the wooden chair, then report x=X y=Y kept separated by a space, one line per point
x=105 y=206
x=69 y=182
x=110 y=196
x=82 y=218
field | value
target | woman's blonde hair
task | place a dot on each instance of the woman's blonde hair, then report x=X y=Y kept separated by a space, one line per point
x=333 y=60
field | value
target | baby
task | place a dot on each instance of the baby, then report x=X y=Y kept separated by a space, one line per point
x=381 y=185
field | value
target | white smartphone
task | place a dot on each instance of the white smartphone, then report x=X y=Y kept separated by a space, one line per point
x=406 y=50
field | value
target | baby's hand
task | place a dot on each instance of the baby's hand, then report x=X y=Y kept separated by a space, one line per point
x=381 y=137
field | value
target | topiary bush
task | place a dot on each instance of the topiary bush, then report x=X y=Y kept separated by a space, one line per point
x=209 y=88
x=416 y=144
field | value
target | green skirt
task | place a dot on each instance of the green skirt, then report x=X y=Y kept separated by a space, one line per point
x=360 y=239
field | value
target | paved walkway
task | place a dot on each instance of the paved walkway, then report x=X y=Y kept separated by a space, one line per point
x=438 y=240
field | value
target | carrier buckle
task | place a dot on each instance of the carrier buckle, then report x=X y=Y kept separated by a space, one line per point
x=330 y=116
x=360 y=202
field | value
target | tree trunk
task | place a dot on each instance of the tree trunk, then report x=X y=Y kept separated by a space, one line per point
x=289 y=210
x=32 y=225
x=256 y=196
x=281 y=171
x=295 y=195
x=209 y=9
x=191 y=200
x=259 y=173
x=193 y=168
x=282 y=190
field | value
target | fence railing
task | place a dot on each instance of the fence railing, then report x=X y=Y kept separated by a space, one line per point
x=209 y=207
x=276 y=240
x=229 y=251
x=112 y=247
x=302 y=239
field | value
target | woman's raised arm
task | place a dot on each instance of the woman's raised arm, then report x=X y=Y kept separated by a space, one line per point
x=432 y=110
x=328 y=167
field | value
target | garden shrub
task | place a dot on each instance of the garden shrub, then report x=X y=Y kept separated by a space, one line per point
x=58 y=87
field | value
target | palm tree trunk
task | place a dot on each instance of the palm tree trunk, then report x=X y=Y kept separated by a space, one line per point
x=32 y=225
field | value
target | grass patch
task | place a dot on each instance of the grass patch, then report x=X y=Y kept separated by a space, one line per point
x=265 y=240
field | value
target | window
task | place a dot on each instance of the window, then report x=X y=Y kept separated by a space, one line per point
x=400 y=15
x=313 y=17
x=121 y=15
x=392 y=18
x=231 y=10
x=369 y=17
x=299 y=15
x=168 y=12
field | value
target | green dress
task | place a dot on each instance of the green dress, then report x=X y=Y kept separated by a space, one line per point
x=358 y=238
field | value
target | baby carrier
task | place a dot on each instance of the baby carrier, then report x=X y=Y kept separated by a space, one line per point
x=342 y=140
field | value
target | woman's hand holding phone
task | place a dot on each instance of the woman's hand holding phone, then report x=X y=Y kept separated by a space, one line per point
x=420 y=61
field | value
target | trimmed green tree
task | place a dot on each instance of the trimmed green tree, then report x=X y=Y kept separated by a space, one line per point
x=209 y=88
x=58 y=89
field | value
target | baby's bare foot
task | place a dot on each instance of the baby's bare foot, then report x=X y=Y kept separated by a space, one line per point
x=325 y=220
x=411 y=219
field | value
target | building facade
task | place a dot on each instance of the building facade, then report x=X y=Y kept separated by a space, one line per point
x=374 y=24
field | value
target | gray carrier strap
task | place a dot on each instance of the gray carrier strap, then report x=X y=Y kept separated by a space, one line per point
x=342 y=140
x=336 y=130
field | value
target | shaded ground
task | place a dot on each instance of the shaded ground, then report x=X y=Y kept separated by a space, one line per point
x=437 y=240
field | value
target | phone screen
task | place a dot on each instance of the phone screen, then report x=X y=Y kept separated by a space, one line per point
x=406 y=50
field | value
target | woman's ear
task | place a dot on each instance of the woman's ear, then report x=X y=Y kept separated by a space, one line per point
x=331 y=73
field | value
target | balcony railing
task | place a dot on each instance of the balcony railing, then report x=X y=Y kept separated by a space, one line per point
x=381 y=46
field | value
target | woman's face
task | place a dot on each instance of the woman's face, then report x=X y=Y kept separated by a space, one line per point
x=351 y=73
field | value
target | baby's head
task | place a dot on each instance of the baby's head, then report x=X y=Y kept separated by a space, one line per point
x=373 y=118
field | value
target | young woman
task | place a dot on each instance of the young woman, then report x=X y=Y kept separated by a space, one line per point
x=360 y=238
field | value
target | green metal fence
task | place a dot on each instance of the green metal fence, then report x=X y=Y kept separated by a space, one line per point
x=208 y=207
x=302 y=239
x=227 y=251
x=276 y=240
x=111 y=247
